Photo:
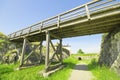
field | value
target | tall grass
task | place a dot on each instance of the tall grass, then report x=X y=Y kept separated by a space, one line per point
x=102 y=73
x=7 y=72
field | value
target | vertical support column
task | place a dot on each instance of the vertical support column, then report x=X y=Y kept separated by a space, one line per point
x=87 y=12
x=47 y=50
x=41 y=51
x=23 y=51
x=61 y=59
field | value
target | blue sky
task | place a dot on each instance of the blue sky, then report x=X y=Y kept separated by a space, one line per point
x=18 y=14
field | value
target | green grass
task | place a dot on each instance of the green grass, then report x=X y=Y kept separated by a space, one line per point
x=102 y=73
x=88 y=54
x=7 y=72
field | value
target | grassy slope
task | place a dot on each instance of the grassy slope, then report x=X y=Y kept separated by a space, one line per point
x=7 y=72
x=102 y=73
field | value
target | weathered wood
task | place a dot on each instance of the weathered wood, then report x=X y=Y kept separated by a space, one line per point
x=58 y=21
x=61 y=59
x=87 y=12
x=47 y=50
x=52 y=45
x=23 y=51
x=41 y=25
x=41 y=50
x=55 y=36
x=50 y=61
x=55 y=50
x=33 y=49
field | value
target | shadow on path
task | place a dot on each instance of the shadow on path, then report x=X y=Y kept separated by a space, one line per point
x=81 y=67
x=81 y=72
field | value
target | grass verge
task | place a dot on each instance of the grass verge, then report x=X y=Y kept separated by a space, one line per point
x=102 y=73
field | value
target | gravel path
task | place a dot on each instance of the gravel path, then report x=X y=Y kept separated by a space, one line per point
x=80 y=72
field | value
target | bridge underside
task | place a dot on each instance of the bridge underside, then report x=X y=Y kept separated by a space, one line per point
x=99 y=22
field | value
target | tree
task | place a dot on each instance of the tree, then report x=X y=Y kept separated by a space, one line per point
x=80 y=51
x=3 y=43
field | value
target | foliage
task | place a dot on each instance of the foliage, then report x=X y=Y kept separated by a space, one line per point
x=80 y=51
x=7 y=72
x=102 y=73
x=4 y=42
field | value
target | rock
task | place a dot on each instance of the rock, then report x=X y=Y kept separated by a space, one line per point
x=110 y=50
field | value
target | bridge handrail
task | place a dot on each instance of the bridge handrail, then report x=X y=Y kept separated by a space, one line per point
x=83 y=10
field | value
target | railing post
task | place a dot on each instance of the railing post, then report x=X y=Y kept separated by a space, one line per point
x=21 y=32
x=87 y=12
x=15 y=34
x=58 y=21
x=41 y=25
x=29 y=30
x=9 y=36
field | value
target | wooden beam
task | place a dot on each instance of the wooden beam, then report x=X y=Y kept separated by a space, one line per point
x=33 y=49
x=61 y=59
x=52 y=46
x=53 y=35
x=51 y=59
x=55 y=50
x=41 y=50
x=47 y=50
x=23 y=52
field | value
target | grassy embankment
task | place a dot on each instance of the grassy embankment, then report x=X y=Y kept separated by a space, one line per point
x=7 y=72
x=102 y=73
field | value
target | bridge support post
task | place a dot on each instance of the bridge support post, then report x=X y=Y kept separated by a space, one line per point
x=23 y=52
x=41 y=51
x=57 y=55
x=47 y=50
x=61 y=59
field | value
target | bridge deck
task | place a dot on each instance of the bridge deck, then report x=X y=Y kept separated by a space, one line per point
x=91 y=18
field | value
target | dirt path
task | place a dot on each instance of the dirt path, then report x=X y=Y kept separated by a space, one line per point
x=80 y=72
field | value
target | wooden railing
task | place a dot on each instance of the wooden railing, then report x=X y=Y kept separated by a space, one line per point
x=80 y=11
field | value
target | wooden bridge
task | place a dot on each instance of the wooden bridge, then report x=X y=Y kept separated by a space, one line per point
x=98 y=16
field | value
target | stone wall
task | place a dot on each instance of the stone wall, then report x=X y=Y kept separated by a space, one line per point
x=110 y=50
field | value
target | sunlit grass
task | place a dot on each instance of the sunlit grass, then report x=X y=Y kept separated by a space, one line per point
x=102 y=73
x=7 y=72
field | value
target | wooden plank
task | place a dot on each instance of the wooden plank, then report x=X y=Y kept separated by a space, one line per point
x=23 y=52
